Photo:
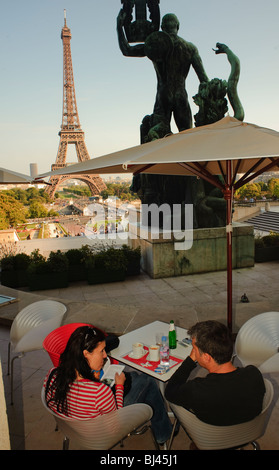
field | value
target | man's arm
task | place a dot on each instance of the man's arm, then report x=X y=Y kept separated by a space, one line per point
x=177 y=387
x=126 y=49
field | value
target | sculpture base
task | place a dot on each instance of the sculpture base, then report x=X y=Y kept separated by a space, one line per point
x=207 y=254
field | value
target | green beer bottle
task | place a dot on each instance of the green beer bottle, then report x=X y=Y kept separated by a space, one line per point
x=172 y=336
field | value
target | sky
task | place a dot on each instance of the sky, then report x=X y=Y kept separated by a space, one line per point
x=114 y=92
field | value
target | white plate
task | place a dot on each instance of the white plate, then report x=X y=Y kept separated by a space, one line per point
x=131 y=355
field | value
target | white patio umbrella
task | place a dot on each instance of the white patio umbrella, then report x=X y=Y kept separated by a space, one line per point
x=12 y=177
x=228 y=147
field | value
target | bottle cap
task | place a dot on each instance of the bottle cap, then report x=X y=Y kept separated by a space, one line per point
x=164 y=338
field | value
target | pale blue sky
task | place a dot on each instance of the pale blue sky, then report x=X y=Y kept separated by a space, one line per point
x=113 y=92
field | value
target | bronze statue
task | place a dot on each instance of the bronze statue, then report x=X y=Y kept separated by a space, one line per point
x=211 y=96
x=172 y=58
x=138 y=30
x=233 y=80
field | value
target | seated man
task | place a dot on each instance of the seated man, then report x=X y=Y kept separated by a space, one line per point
x=227 y=395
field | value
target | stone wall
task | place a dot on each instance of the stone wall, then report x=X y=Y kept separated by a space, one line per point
x=208 y=252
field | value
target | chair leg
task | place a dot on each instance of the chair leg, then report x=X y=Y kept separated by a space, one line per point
x=9 y=357
x=12 y=376
x=66 y=442
x=255 y=445
x=140 y=431
x=172 y=434
x=157 y=447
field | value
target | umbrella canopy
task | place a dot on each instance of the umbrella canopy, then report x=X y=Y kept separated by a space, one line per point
x=228 y=147
x=202 y=149
x=11 y=177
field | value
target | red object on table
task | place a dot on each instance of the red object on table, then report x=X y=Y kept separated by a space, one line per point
x=152 y=365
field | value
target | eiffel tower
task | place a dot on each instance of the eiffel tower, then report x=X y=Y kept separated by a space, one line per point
x=71 y=132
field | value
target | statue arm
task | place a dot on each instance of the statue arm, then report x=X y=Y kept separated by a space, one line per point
x=126 y=49
x=198 y=66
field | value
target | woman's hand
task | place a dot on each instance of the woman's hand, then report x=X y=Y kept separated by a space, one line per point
x=120 y=378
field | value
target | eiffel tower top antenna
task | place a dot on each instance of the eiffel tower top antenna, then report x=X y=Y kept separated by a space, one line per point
x=65 y=24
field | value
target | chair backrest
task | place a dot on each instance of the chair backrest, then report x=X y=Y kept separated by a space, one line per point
x=210 y=437
x=271 y=365
x=55 y=343
x=33 y=323
x=258 y=339
x=103 y=432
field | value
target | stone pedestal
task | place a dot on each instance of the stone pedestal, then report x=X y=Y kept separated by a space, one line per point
x=207 y=253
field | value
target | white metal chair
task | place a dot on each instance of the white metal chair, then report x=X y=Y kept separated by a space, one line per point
x=103 y=432
x=210 y=437
x=257 y=342
x=30 y=327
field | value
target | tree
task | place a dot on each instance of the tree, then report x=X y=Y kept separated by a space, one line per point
x=273 y=187
x=276 y=190
x=12 y=212
x=36 y=210
x=249 y=190
x=52 y=213
x=121 y=190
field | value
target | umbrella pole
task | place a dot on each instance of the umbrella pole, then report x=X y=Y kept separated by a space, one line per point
x=228 y=198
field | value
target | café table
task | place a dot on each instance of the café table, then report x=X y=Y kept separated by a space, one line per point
x=147 y=336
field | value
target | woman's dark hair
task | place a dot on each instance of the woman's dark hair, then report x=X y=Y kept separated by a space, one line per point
x=72 y=361
x=214 y=338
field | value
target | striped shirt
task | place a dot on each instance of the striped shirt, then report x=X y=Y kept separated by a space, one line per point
x=88 y=399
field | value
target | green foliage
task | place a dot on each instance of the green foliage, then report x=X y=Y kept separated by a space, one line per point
x=122 y=191
x=79 y=190
x=131 y=254
x=20 y=261
x=273 y=187
x=26 y=196
x=249 y=190
x=271 y=240
x=75 y=256
x=36 y=256
x=7 y=263
x=257 y=190
x=12 y=212
x=112 y=259
x=37 y=210
x=109 y=259
x=268 y=240
x=133 y=257
x=52 y=213
x=56 y=262
x=12 y=202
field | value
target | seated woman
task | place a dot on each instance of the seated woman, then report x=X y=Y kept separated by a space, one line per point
x=74 y=388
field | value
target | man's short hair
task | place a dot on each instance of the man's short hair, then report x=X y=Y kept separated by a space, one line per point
x=213 y=338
